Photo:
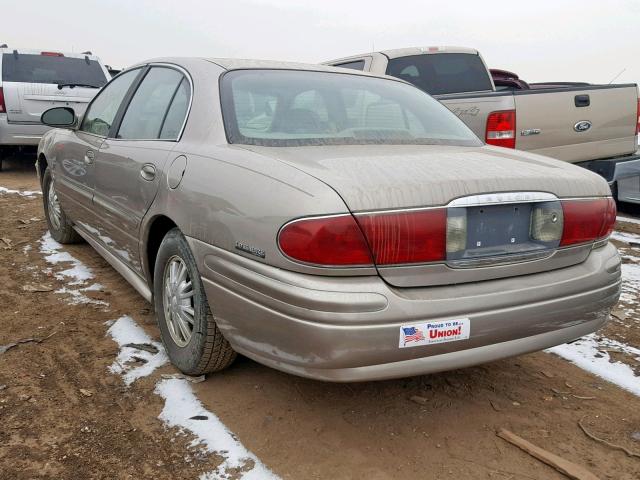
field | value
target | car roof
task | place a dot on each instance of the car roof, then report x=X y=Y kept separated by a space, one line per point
x=31 y=51
x=405 y=52
x=256 y=64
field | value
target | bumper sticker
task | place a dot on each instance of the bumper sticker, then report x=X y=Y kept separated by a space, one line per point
x=434 y=332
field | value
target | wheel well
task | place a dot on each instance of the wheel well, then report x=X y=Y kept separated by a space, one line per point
x=159 y=228
x=42 y=166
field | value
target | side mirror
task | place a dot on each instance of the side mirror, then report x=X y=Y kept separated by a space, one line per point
x=63 y=117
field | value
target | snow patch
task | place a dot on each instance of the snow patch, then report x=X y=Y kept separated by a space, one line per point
x=625 y=237
x=126 y=331
x=590 y=353
x=78 y=274
x=181 y=405
x=630 y=283
x=628 y=220
x=22 y=193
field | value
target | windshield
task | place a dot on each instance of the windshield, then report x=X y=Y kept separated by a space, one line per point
x=442 y=73
x=51 y=69
x=293 y=108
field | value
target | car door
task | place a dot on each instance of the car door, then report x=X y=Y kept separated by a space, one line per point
x=130 y=163
x=73 y=167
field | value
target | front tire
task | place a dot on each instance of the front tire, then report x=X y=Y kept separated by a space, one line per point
x=194 y=342
x=59 y=224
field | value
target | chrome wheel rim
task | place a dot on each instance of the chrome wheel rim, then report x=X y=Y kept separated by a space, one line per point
x=55 y=212
x=178 y=301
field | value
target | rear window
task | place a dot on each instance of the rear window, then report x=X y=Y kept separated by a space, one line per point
x=27 y=68
x=295 y=108
x=442 y=73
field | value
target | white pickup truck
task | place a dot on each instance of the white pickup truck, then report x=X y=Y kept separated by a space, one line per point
x=32 y=81
x=595 y=126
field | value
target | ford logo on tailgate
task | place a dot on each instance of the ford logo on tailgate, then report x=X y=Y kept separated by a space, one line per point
x=582 y=126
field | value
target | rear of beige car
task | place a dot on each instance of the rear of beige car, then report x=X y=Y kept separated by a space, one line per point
x=394 y=259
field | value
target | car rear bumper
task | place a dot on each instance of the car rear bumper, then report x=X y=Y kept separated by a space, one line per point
x=20 y=133
x=347 y=328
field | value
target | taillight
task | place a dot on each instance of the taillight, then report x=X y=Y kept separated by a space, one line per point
x=501 y=129
x=3 y=109
x=406 y=237
x=638 y=118
x=587 y=220
x=328 y=241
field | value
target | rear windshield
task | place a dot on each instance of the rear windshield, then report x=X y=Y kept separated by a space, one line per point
x=293 y=108
x=51 y=69
x=442 y=73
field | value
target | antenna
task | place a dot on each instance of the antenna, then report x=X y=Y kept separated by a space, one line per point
x=621 y=72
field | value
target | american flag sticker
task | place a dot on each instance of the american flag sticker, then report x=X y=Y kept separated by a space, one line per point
x=434 y=332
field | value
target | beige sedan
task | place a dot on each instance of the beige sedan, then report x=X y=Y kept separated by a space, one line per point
x=325 y=222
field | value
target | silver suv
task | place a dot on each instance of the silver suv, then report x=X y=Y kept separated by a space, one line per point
x=32 y=81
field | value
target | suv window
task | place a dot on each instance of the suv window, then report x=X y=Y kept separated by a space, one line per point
x=442 y=73
x=355 y=65
x=149 y=105
x=28 y=68
x=102 y=111
x=177 y=112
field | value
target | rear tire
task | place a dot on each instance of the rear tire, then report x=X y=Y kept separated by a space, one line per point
x=59 y=224
x=193 y=341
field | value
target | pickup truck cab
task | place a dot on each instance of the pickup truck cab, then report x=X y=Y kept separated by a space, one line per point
x=32 y=81
x=594 y=126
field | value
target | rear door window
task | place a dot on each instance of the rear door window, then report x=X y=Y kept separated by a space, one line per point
x=52 y=69
x=442 y=73
x=177 y=112
x=102 y=111
x=150 y=104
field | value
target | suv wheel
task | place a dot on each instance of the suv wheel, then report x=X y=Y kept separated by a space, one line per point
x=59 y=225
x=194 y=342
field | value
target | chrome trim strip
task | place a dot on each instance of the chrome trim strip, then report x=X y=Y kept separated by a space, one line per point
x=502 y=198
x=505 y=259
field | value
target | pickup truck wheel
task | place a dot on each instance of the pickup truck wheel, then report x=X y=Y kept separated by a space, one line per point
x=194 y=342
x=59 y=225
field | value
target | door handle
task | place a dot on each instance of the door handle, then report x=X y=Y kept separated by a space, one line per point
x=582 y=100
x=89 y=157
x=148 y=172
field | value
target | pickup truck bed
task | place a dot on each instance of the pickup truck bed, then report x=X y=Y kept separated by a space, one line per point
x=595 y=126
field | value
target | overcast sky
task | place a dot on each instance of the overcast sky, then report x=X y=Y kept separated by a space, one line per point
x=570 y=40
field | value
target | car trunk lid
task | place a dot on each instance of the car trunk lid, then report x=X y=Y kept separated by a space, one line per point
x=414 y=178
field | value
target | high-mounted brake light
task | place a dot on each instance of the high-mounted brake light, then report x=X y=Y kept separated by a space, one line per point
x=3 y=108
x=327 y=241
x=52 y=54
x=501 y=129
x=587 y=220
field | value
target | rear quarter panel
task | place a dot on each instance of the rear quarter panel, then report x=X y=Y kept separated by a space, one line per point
x=473 y=111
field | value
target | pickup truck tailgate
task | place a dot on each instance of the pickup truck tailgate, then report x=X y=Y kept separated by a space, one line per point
x=577 y=124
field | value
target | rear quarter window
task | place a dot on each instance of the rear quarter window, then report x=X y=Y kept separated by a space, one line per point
x=442 y=73
x=28 y=68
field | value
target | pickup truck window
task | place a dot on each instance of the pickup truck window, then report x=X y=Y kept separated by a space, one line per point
x=355 y=65
x=296 y=108
x=442 y=73
x=28 y=68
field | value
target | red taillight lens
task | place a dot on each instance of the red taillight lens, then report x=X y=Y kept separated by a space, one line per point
x=406 y=237
x=587 y=220
x=328 y=241
x=3 y=109
x=501 y=129
x=638 y=118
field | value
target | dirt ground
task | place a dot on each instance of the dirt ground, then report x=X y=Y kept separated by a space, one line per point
x=64 y=416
